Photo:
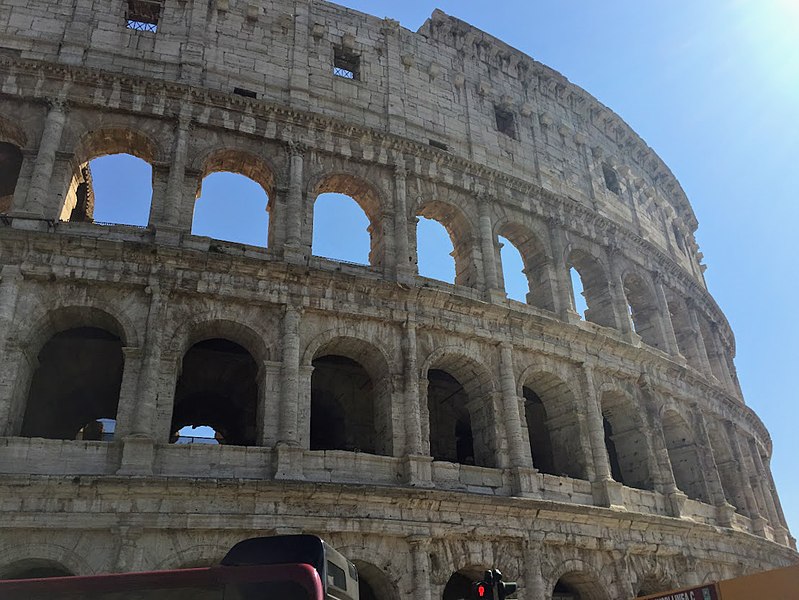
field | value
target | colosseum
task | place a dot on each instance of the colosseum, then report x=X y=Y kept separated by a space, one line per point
x=428 y=430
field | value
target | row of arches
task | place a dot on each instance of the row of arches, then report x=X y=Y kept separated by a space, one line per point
x=221 y=395
x=331 y=210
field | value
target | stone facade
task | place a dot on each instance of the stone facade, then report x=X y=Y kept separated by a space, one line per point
x=426 y=430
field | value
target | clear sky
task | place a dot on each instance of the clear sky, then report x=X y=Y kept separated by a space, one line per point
x=713 y=87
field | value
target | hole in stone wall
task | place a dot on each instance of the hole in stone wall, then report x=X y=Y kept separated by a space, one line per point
x=341 y=229
x=199 y=434
x=538 y=432
x=684 y=456
x=611 y=178
x=217 y=389
x=434 y=251
x=143 y=15
x=346 y=64
x=232 y=207
x=506 y=122
x=76 y=385
x=517 y=286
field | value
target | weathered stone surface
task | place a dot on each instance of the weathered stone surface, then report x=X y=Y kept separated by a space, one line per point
x=423 y=428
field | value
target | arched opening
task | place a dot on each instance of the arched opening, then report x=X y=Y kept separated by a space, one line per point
x=644 y=313
x=234 y=198
x=434 y=251
x=111 y=180
x=578 y=293
x=74 y=392
x=460 y=234
x=684 y=456
x=233 y=208
x=684 y=333
x=653 y=585
x=216 y=395
x=10 y=165
x=459 y=585
x=513 y=273
x=34 y=569
x=526 y=268
x=374 y=583
x=460 y=412
x=343 y=407
x=578 y=586
x=552 y=427
x=341 y=229
x=347 y=220
x=595 y=290
x=625 y=442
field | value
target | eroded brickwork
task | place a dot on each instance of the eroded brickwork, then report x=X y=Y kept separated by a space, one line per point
x=425 y=429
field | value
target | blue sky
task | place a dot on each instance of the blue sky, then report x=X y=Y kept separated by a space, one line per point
x=713 y=87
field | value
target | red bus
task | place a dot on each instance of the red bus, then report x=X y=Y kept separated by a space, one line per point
x=294 y=567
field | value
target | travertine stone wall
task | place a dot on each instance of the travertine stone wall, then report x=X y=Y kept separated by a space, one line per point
x=613 y=454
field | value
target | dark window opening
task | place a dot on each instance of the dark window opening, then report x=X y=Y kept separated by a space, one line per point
x=678 y=237
x=244 y=92
x=342 y=406
x=451 y=436
x=439 y=145
x=538 y=432
x=613 y=455
x=346 y=64
x=216 y=396
x=10 y=165
x=74 y=392
x=611 y=179
x=143 y=15
x=506 y=122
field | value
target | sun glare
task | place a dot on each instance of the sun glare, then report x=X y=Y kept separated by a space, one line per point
x=774 y=27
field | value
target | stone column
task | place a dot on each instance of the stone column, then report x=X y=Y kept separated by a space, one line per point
x=618 y=296
x=734 y=434
x=666 y=326
x=268 y=410
x=405 y=268
x=762 y=482
x=413 y=423
x=289 y=434
x=10 y=282
x=606 y=491
x=710 y=469
x=395 y=107
x=563 y=300
x=40 y=189
x=487 y=244
x=510 y=405
x=718 y=355
x=704 y=361
x=420 y=548
x=534 y=586
x=663 y=476
x=177 y=171
x=295 y=206
x=298 y=77
x=128 y=391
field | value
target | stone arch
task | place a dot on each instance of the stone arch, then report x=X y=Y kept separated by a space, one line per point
x=550 y=412
x=378 y=564
x=462 y=233
x=576 y=580
x=220 y=382
x=367 y=195
x=684 y=454
x=538 y=264
x=459 y=584
x=461 y=412
x=351 y=404
x=12 y=133
x=205 y=327
x=595 y=287
x=78 y=198
x=38 y=555
x=242 y=162
x=60 y=324
x=653 y=583
x=374 y=583
x=626 y=440
x=684 y=332
x=644 y=311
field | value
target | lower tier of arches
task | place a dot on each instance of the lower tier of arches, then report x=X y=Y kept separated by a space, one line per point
x=406 y=543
